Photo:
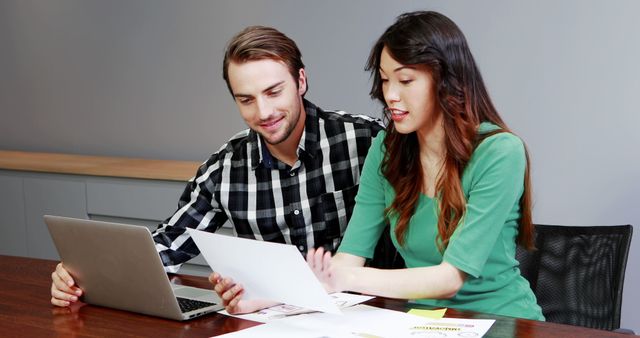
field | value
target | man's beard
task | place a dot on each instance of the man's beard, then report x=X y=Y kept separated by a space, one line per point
x=290 y=128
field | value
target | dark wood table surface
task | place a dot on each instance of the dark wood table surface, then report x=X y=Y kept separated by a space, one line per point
x=26 y=311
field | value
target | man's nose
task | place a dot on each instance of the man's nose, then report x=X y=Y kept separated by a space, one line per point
x=265 y=109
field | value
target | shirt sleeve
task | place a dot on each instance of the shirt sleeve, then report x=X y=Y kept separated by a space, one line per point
x=198 y=208
x=367 y=221
x=496 y=173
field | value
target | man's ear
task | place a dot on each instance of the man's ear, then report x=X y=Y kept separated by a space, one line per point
x=302 y=82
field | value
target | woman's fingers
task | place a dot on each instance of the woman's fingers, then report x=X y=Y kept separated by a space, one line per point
x=317 y=258
x=326 y=262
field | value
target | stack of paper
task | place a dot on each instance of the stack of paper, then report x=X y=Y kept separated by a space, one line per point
x=365 y=321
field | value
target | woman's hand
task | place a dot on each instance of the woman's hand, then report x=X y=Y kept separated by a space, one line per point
x=231 y=295
x=320 y=263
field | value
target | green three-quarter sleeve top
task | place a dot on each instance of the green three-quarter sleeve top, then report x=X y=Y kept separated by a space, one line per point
x=484 y=243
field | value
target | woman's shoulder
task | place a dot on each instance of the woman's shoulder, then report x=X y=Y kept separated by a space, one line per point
x=494 y=141
x=380 y=136
x=501 y=153
x=378 y=142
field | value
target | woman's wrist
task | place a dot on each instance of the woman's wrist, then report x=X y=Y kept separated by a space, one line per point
x=348 y=282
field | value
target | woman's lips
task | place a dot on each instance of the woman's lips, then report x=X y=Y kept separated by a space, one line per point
x=398 y=114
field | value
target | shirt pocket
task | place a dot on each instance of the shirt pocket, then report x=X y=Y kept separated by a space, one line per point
x=336 y=209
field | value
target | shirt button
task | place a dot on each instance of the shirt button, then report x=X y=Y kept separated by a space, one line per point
x=296 y=212
x=292 y=173
x=301 y=248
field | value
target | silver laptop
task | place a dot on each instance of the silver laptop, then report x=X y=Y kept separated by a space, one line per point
x=118 y=266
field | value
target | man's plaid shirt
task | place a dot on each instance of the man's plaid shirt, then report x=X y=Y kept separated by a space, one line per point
x=307 y=205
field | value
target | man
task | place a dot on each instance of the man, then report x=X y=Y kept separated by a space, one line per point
x=290 y=178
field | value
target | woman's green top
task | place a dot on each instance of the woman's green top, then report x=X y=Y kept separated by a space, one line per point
x=484 y=243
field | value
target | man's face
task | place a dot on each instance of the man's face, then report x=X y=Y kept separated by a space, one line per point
x=268 y=97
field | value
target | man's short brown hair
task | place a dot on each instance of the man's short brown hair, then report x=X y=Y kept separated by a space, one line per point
x=258 y=43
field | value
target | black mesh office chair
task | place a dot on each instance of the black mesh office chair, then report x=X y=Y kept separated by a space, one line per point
x=577 y=273
x=385 y=255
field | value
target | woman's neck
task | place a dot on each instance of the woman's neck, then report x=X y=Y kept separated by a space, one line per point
x=431 y=140
x=432 y=155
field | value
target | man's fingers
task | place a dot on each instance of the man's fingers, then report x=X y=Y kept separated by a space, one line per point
x=234 y=302
x=60 y=285
x=238 y=306
x=64 y=275
x=57 y=294
x=214 y=278
x=58 y=302
x=61 y=298
x=226 y=289
x=221 y=288
x=231 y=293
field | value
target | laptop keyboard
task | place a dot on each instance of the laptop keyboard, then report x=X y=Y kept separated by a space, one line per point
x=187 y=305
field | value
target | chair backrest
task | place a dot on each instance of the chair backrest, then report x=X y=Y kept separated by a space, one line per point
x=577 y=273
x=386 y=256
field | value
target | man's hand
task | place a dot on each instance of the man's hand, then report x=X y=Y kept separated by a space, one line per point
x=64 y=292
x=231 y=295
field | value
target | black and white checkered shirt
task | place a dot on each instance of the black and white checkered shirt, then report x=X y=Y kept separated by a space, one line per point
x=307 y=205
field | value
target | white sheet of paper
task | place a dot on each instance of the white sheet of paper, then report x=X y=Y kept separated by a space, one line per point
x=276 y=312
x=366 y=321
x=266 y=270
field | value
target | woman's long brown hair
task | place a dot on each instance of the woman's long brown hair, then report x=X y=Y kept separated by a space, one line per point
x=432 y=39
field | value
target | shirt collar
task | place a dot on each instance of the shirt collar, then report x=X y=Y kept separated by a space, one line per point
x=309 y=142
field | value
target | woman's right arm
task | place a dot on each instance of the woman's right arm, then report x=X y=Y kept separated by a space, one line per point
x=345 y=272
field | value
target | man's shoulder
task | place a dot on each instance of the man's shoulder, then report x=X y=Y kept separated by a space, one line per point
x=233 y=150
x=235 y=145
x=358 y=121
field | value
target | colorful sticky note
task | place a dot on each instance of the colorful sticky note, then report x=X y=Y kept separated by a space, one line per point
x=433 y=314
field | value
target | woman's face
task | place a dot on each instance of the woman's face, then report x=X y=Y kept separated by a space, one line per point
x=410 y=94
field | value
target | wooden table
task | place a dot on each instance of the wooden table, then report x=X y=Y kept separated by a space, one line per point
x=26 y=311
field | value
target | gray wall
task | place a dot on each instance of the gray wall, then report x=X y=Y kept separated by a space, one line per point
x=142 y=78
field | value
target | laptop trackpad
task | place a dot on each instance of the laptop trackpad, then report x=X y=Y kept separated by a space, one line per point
x=204 y=295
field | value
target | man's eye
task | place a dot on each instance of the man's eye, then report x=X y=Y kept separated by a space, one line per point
x=244 y=101
x=406 y=82
x=275 y=93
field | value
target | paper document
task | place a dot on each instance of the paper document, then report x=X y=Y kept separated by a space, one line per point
x=342 y=300
x=366 y=321
x=266 y=270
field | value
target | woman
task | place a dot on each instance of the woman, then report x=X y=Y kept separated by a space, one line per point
x=447 y=174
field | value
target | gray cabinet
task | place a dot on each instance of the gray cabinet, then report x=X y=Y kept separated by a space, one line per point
x=50 y=194
x=133 y=199
x=13 y=231
x=25 y=197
